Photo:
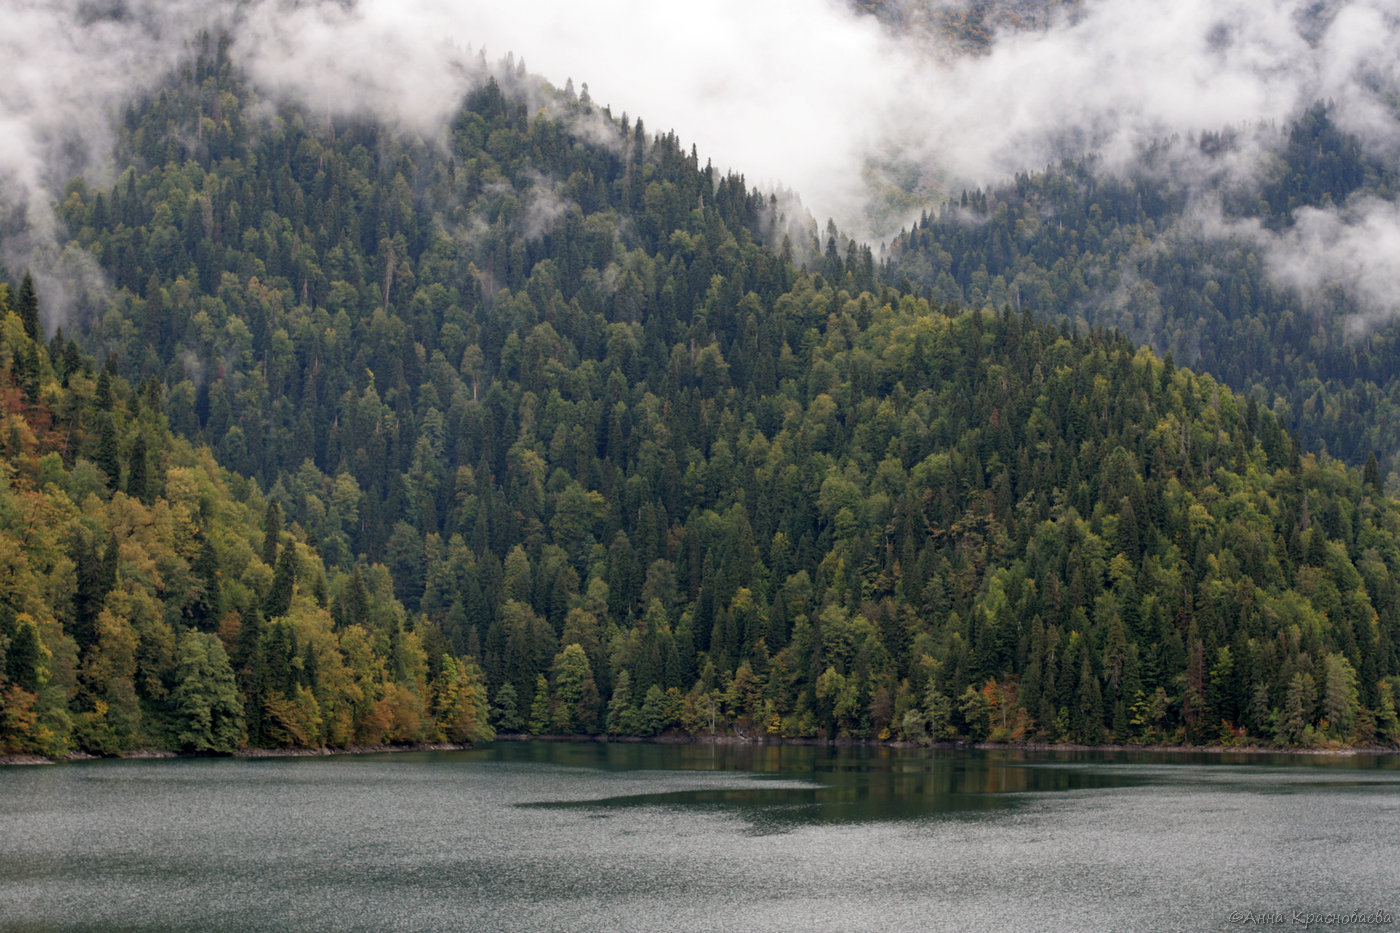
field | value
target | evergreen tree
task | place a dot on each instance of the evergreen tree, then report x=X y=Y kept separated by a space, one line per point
x=622 y=718
x=205 y=702
x=540 y=717
x=23 y=656
x=90 y=589
x=505 y=711
x=279 y=596
x=137 y=480
x=27 y=307
x=272 y=533
x=356 y=599
x=205 y=607
x=108 y=457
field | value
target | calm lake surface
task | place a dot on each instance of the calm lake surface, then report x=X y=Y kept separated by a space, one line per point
x=542 y=836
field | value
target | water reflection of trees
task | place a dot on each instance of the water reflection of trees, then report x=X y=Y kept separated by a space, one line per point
x=840 y=784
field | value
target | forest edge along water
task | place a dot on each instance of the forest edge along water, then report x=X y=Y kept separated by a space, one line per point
x=1224 y=752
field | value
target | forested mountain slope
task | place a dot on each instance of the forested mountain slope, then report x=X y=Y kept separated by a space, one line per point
x=570 y=392
x=1138 y=252
x=149 y=599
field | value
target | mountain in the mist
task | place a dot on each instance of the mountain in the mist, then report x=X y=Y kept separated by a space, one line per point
x=1261 y=253
x=600 y=418
x=1233 y=283
x=963 y=28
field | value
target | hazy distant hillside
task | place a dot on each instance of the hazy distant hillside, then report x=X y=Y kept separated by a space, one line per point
x=1230 y=283
x=964 y=27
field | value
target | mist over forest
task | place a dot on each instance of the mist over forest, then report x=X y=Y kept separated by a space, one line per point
x=825 y=99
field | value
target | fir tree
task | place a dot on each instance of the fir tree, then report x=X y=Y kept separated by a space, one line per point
x=279 y=596
x=137 y=480
x=27 y=307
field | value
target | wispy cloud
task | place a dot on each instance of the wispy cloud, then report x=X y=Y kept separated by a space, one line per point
x=1355 y=249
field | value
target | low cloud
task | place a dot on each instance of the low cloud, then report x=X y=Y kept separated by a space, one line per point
x=1334 y=258
x=808 y=95
x=392 y=60
x=1354 y=250
x=544 y=207
x=802 y=95
x=71 y=68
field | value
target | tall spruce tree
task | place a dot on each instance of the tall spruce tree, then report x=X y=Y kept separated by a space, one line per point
x=27 y=307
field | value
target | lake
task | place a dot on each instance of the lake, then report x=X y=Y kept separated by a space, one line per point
x=593 y=836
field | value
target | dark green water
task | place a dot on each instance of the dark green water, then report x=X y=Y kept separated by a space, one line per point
x=544 y=836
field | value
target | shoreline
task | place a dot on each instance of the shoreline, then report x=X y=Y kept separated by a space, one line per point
x=1348 y=751
x=734 y=740
x=141 y=754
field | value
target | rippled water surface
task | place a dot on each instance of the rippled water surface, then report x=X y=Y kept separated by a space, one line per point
x=539 y=836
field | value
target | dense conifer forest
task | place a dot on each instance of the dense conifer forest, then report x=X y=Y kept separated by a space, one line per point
x=545 y=426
